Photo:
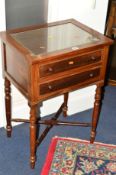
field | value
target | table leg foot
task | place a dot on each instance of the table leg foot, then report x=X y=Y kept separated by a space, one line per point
x=8 y=131
x=32 y=162
x=92 y=137
x=65 y=109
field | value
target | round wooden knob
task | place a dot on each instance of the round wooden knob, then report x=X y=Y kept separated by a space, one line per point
x=50 y=87
x=50 y=69
x=91 y=74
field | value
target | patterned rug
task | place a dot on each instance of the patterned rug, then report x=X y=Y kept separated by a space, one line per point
x=79 y=157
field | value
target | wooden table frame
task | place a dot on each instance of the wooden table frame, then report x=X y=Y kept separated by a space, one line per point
x=25 y=74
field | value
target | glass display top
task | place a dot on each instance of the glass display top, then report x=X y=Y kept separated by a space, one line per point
x=54 y=38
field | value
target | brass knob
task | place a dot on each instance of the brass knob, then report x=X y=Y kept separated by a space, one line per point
x=42 y=47
x=50 y=87
x=50 y=69
x=71 y=62
x=91 y=75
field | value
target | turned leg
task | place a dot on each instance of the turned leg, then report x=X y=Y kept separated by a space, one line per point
x=33 y=135
x=96 y=111
x=65 y=107
x=8 y=107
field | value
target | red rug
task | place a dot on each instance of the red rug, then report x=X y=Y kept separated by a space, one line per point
x=67 y=156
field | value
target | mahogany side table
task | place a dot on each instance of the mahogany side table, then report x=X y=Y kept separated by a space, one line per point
x=49 y=60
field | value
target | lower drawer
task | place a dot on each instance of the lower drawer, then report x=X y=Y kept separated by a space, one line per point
x=70 y=81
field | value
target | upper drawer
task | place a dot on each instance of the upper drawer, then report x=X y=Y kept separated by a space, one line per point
x=69 y=63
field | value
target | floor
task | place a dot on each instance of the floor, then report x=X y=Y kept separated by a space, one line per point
x=14 y=151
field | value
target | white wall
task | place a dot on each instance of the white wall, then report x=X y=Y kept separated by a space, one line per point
x=94 y=17
x=89 y=12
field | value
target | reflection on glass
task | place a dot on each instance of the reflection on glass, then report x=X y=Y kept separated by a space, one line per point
x=54 y=38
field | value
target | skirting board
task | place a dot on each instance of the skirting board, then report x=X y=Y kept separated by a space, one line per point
x=79 y=100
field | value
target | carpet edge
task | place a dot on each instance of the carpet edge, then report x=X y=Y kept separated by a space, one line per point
x=49 y=156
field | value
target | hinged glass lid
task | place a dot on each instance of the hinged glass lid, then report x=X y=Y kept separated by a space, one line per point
x=54 y=38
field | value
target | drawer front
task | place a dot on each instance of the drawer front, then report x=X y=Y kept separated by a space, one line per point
x=90 y=76
x=70 y=63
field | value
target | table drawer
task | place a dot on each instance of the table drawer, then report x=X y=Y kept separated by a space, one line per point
x=70 y=81
x=70 y=63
